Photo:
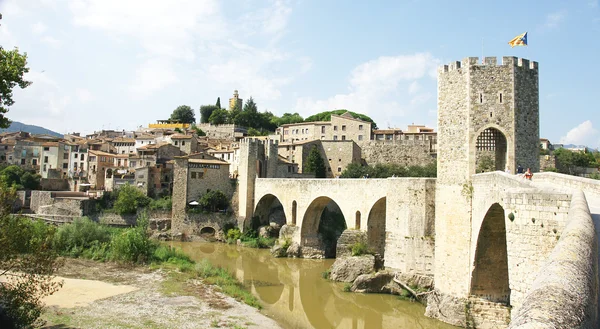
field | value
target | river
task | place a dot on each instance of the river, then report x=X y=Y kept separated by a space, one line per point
x=293 y=292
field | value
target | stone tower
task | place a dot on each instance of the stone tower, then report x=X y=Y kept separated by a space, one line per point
x=484 y=110
x=235 y=101
x=258 y=159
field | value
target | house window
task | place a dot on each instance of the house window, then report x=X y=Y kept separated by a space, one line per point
x=65 y=166
x=360 y=127
x=46 y=148
x=22 y=161
x=75 y=165
x=182 y=143
x=75 y=156
x=44 y=168
x=322 y=129
x=343 y=128
x=34 y=162
x=339 y=169
x=81 y=165
x=417 y=137
x=360 y=137
x=176 y=143
x=193 y=175
x=335 y=137
x=335 y=128
x=201 y=175
x=142 y=142
x=45 y=159
x=65 y=156
x=343 y=137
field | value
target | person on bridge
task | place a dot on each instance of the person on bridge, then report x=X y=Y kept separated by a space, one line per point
x=528 y=174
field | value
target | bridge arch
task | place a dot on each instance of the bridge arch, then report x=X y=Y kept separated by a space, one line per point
x=268 y=209
x=376 y=226
x=322 y=225
x=489 y=279
x=492 y=143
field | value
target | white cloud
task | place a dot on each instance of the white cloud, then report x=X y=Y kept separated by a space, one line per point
x=151 y=76
x=583 y=134
x=42 y=99
x=39 y=28
x=554 y=19
x=380 y=88
x=83 y=95
x=7 y=40
x=52 y=42
x=189 y=31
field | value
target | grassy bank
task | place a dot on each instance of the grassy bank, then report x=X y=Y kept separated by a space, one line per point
x=87 y=239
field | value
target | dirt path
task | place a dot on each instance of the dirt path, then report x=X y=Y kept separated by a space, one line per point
x=100 y=295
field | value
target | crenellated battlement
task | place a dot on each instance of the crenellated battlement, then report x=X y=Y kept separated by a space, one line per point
x=489 y=61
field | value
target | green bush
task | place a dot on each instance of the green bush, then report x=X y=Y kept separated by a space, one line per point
x=82 y=234
x=325 y=275
x=233 y=234
x=347 y=287
x=130 y=199
x=164 y=203
x=214 y=200
x=359 y=249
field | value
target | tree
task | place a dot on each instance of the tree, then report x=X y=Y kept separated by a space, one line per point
x=218 y=104
x=27 y=263
x=326 y=116
x=183 y=114
x=218 y=117
x=130 y=199
x=13 y=66
x=250 y=106
x=213 y=201
x=315 y=163
x=206 y=111
x=198 y=131
x=288 y=118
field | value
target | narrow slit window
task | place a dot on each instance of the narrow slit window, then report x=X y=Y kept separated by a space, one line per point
x=500 y=98
x=480 y=98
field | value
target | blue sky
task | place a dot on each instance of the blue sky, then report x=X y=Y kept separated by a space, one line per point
x=120 y=64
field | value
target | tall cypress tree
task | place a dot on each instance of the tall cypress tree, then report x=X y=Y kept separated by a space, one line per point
x=218 y=105
x=315 y=163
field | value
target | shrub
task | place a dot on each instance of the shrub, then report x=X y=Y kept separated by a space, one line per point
x=164 y=203
x=347 y=287
x=133 y=244
x=325 y=275
x=360 y=248
x=130 y=199
x=26 y=251
x=214 y=200
x=81 y=234
x=233 y=234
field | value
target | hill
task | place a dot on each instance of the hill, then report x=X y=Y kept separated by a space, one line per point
x=19 y=126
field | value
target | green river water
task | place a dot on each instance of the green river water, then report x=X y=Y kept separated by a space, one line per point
x=293 y=292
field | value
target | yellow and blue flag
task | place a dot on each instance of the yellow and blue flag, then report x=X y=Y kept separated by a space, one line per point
x=520 y=40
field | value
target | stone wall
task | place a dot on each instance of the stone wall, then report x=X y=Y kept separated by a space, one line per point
x=591 y=187
x=547 y=161
x=402 y=152
x=54 y=184
x=565 y=291
x=410 y=219
x=45 y=202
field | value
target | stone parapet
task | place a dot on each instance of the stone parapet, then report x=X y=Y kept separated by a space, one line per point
x=565 y=291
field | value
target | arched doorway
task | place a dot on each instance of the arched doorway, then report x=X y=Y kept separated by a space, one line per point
x=376 y=227
x=268 y=210
x=322 y=225
x=490 y=274
x=491 y=149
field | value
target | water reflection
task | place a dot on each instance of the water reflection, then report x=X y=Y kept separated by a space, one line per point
x=293 y=292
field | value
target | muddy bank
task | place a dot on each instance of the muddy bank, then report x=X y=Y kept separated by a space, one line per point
x=106 y=295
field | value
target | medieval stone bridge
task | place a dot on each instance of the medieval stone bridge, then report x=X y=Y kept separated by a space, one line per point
x=515 y=227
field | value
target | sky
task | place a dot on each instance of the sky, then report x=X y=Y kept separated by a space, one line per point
x=122 y=64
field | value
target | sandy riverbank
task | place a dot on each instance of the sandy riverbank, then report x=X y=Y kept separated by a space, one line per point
x=106 y=295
